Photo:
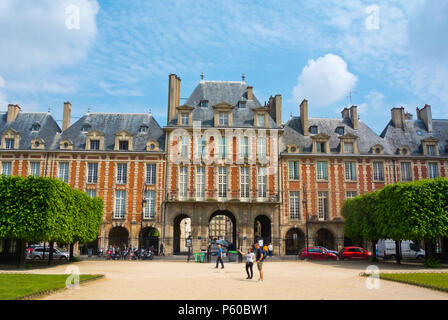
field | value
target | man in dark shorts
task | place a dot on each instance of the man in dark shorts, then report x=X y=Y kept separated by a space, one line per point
x=259 y=255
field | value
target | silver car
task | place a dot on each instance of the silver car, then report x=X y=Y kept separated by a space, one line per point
x=37 y=253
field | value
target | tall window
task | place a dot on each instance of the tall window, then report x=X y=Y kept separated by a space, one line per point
x=245 y=182
x=348 y=147
x=322 y=170
x=262 y=179
x=378 y=171
x=433 y=170
x=184 y=146
x=293 y=170
x=201 y=143
x=244 y=147
x=183 y=182
x=350 y=170
x=91 y=193
x=200 y=182
x=406 y=173
x=151 y=173
x=323 y=205
x=294 y=205
x=260 y=120
x=150 y=207
x=123 y=145
x=261 y=147
x=431 y=150
x=223 y=119
x=351 y=194
x=222 y=182
x=184 y=119
x=94 y=144
x=9 y=143
x=63 y=171
x=222 y=147
x=122 y=173
x=92 y=173
x=35 y=169
x=6 y=168
x=120 y=204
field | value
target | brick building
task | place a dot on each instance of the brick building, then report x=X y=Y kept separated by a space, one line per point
x=223 y=166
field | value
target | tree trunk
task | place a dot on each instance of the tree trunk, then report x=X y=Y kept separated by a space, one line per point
x=398 y=251
x=428 y=249
x=22 y=254
x=72 y=245
x=374 y=251
x=50 y=253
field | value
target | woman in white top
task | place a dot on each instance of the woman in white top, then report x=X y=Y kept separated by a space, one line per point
x=250 y=257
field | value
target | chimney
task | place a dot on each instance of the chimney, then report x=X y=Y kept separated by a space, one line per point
x=13 y=111
x=398 y=118
x=425 y=115
x=275 y=109
x=250 y=93
x=66 y=116
x=304 y=116
x=354 y=117
x=173 y=96
x=345 y=113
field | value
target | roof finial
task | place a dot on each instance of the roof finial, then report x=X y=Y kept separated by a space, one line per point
x=150 y=111
x=290 y=115
x=49 y=110
x=88 y=110
x=243 y=77
x=202 y=75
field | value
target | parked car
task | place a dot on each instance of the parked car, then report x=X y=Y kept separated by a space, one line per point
x=409 y=250
x=37 y=253
x=317 y=253
x=331 y=251
x=354 y=253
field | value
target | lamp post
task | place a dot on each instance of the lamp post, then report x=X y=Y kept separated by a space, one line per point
x=142 y=218
x=305 y=206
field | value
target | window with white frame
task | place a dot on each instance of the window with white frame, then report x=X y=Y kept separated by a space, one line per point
x=91 y=193
x=35 y=169
x=320 y=147
x=122 y=173
x=322 y=170
x=294 y=205
x=261 y=147
x=200 y=182
x=184 y=119
x=350 y=170
x=123 y=145
x=260 y=120
x=262 y=179
x=183 y=182
x=92 y=173
x=433 y=170
x=348 y=147
x=351 y=194
x=6 y=168
x=184 y=146
x=244 y=147
x=378 y=171
x=293 y=170
x=223 y=119
x=245 y=182
x=9 y=143
x=94 y=144
x=150 y=206
x=120 y=204
x=323 y=205
x=222 y=147
x=431 y=150
x=406 y=172
x=63 y=171
x=201 y=144
x=151 y=173
x=222 y=182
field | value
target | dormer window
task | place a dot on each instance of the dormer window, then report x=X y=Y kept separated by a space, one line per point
x=348 y=144
x=431 y=150
x=340 y=131
x=94 y=144
x=35 y=127
x=123 y=145
x=314 y=130
x=143 y=129
x=404 y=151
x=223 y=119
x=242 y=104
x=377 y=149
x=260 y=120
x=321 y=143
x=320 y=147
x=430 y=147
x=204 y=103
x=85 y=128
x=348 y=147
x=184 y=119
x=9 y=143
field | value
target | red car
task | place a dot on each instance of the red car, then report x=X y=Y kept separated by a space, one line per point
x=354 y=253
x=316 y=253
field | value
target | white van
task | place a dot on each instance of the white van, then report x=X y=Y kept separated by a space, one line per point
x=409 y=250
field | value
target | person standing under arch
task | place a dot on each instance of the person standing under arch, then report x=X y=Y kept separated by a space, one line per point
x=219 y=258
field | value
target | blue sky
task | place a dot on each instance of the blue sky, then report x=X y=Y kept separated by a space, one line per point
x=388 y=53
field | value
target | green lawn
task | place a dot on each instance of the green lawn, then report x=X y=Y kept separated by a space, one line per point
x=438 y=281
x=13 y=286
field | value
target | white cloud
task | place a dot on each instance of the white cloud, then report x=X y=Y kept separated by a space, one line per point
x=2 y=82
x=34 y=35
x=324 y=81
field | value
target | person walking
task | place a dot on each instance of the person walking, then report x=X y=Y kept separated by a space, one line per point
x=260 y=257
x=161 y=253
x=219 y=259
x=270 y=249
x=250 y=257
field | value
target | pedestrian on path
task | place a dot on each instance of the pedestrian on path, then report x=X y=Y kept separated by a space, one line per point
x=250 y=257
x=260 y=257
x=270 y=249
x=161 y=252
x=219 y=259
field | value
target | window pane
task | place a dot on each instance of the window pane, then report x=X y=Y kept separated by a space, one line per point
x=9 y=143
x=120 y=204
x=293 y=170
x=348 y=147
x=92 y=174
x=323 y=205
x=245 y=185
x=294 y=205
x=183 y=182
x=433 y=170
x=222 y=182
x=63 y=171
x=94 y=144
x=122 y=169
x=35 y=169
x=91 y=193
x=406 y=173
x=200 y=182
x=6 y=168
x=350 y=170
x=150 y=174
x=322 y=170
x=150 y=205
x=262 y=182
x=378 y=171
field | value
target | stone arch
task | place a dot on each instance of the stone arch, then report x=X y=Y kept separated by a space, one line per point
x=294 y=241
x=262 y=228
x=119 y=236
x=325 y=238
x=149 y=237
x=177 y=237
x=232 y=218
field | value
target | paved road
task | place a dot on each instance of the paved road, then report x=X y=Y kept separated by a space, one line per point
x=283 y=280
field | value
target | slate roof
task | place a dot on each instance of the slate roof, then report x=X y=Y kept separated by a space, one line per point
x=23 y=123
x=111 y=123
x=223 y=91
x=367 y=138
x=415 y=133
